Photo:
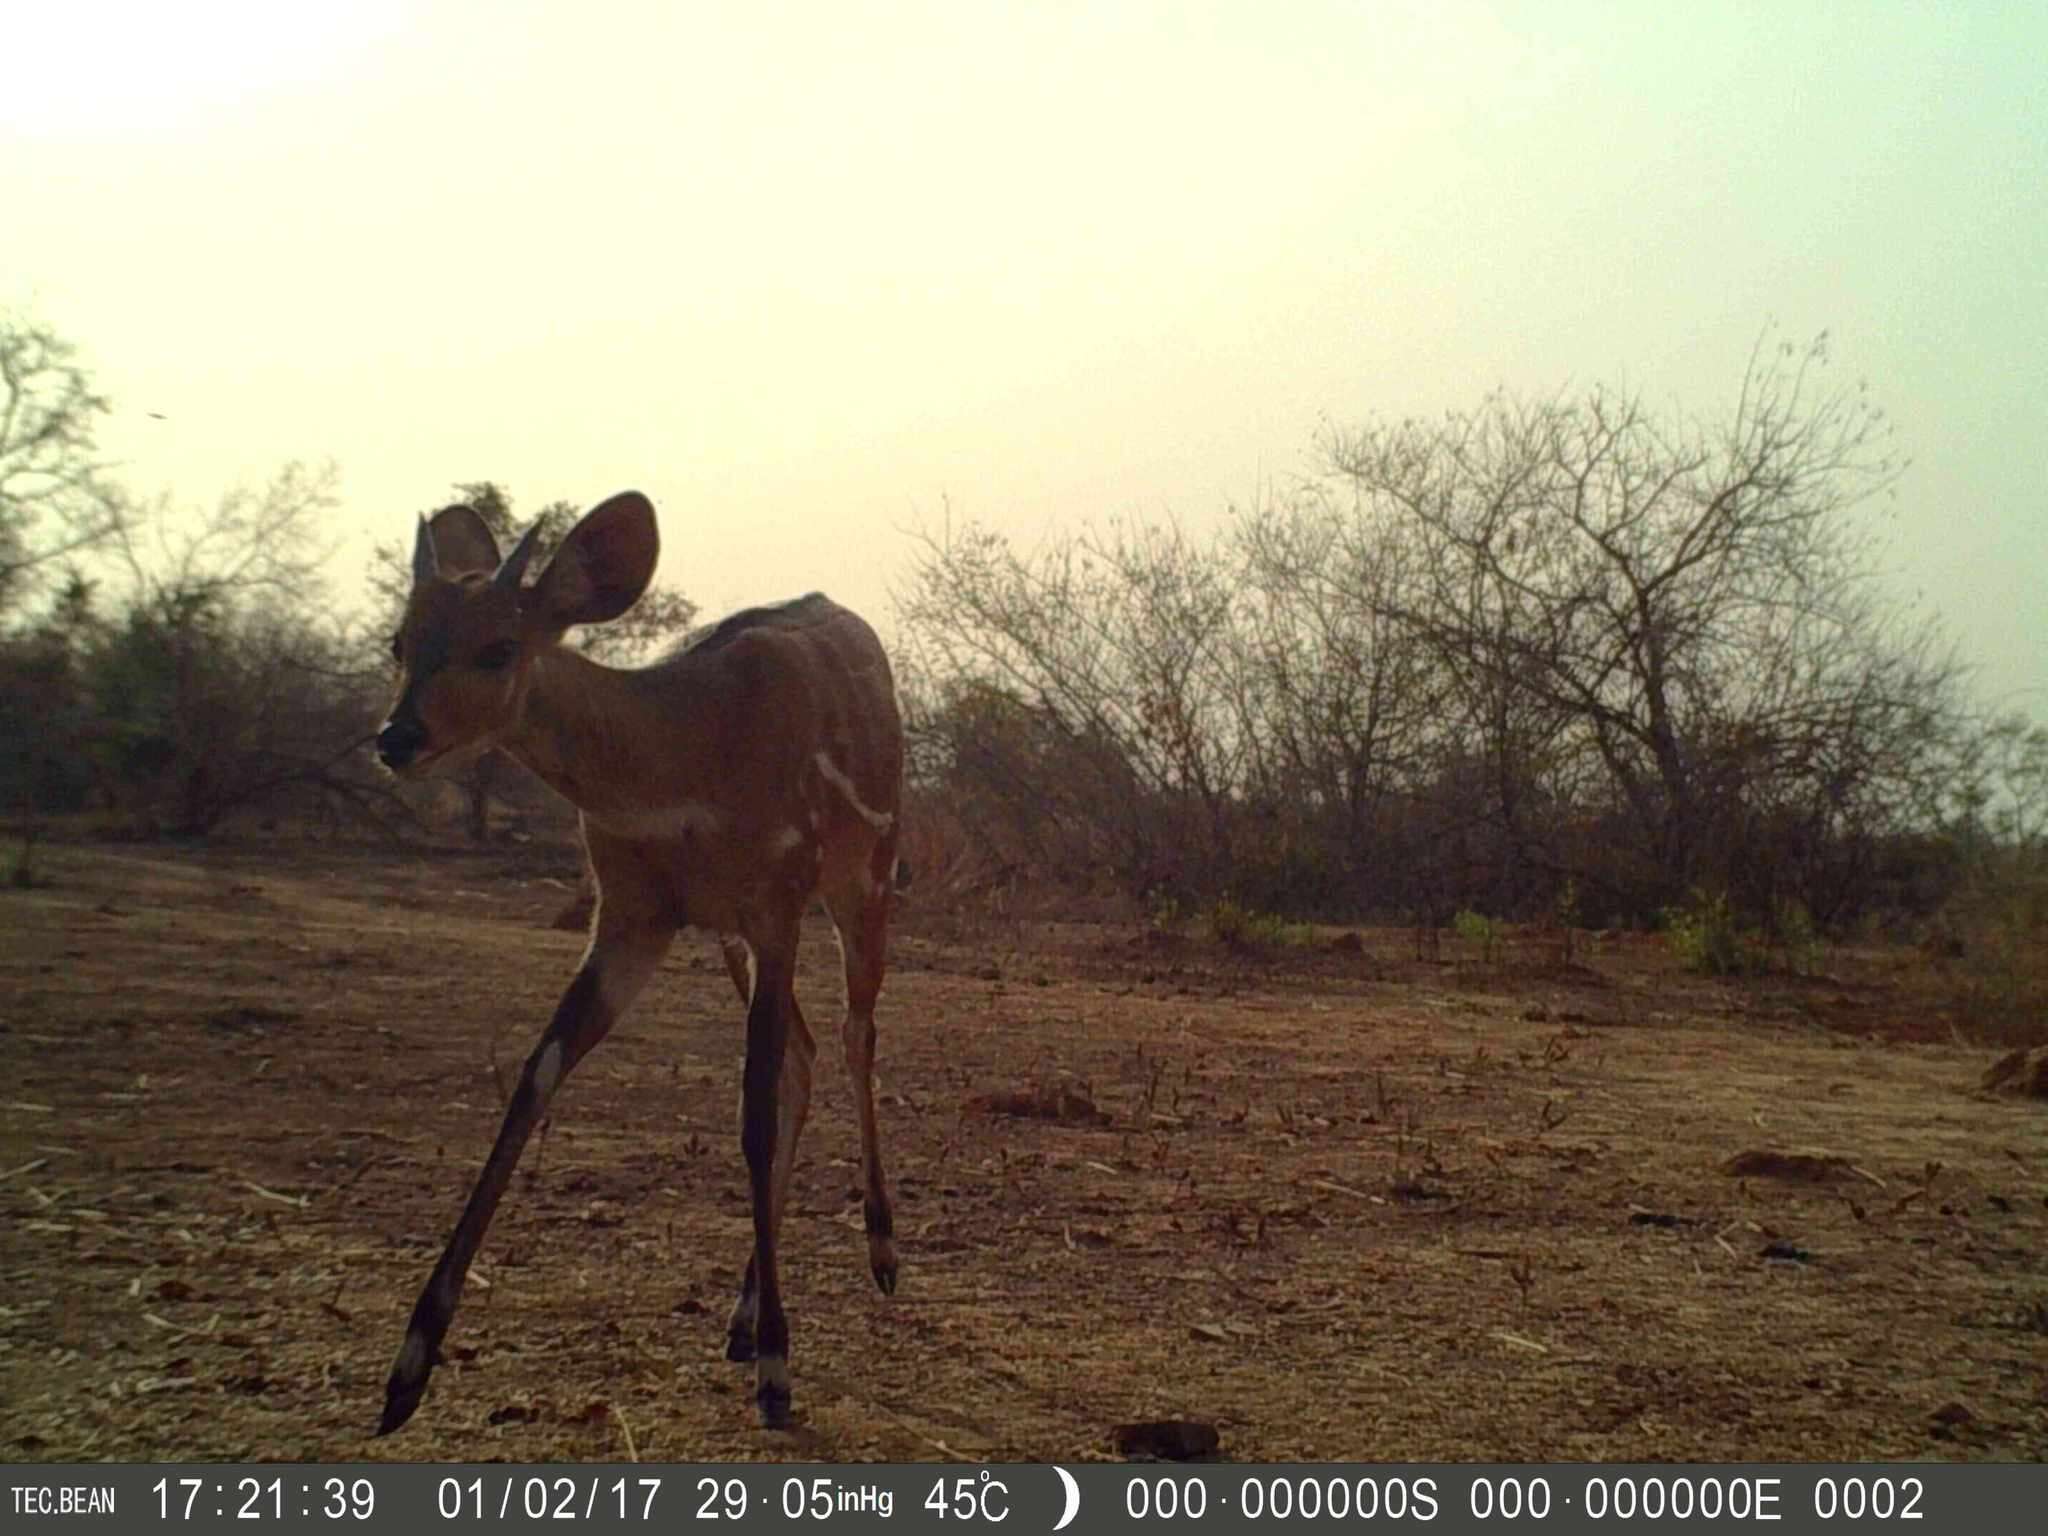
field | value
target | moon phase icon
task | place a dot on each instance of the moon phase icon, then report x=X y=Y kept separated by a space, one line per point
x=1073 y=1497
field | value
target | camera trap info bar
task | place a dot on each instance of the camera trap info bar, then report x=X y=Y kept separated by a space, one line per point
x=120 y=1500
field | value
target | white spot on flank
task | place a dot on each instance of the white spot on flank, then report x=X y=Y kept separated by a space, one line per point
x=786 y=841
x=881 y=821
x=548 y=1071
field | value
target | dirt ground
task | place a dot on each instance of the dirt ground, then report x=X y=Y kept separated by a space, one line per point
x=1341 y=1204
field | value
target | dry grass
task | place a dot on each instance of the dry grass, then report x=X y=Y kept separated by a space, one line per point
x=1336 y=1202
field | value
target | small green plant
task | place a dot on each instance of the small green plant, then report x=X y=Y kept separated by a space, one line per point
x=1708 y=938
x=1568 y=915
x=1240 y=927
x=1475 y=928
x=22 y=873
x=1227 y=922
x=1798 y=938
x=1995 y=963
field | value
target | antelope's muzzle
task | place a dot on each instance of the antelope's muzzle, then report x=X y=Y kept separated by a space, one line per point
x=399 y=742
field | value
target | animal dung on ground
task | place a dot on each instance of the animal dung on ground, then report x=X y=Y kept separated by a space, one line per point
x=1166 y=1440
x=1793 y=1167
x=1950 y=1417
x=1643 y=1218
x=1062 y=1102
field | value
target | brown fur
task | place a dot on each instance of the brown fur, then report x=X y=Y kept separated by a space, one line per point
x=721 y=788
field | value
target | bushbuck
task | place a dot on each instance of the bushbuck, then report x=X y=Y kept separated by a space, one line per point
x=721 y=788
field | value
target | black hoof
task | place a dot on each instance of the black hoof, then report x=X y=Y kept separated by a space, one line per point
x=774 y=1405
x=739 y=1345
x=400 y=1402
x=885 y=1278
x=407 y=1383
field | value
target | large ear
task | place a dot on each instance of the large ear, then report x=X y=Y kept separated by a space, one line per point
x=462 y=542
x=603 y=565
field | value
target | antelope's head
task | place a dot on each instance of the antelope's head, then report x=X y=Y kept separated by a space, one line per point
x=471 y=629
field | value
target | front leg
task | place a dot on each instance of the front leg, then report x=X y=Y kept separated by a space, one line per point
x=617 y=966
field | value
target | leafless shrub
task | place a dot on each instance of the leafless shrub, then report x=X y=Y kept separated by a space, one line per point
x=56 y=498
x=1560 y=657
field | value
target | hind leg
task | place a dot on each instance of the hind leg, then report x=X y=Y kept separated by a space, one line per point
x=739 y=1325
x=794 y=1102
x=860 y=912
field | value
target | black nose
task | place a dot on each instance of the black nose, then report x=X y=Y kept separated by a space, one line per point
x=400 y=741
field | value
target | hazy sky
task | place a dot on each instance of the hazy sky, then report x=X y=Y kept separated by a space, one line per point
x=805 y=272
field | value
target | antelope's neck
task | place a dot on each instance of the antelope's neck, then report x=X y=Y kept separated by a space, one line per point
x=597 y=737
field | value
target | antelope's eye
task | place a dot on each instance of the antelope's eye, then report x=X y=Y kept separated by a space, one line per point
x=497 y=656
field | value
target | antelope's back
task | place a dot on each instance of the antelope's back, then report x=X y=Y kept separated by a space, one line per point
x=812 y=677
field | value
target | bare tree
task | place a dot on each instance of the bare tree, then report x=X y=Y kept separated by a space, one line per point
x=1344 y=702
x=46 y=719
x=1108 y=655
x=225 y=681
x=55 y=498
x=1677 y=592
x=265 y=543
x=1538 y=652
